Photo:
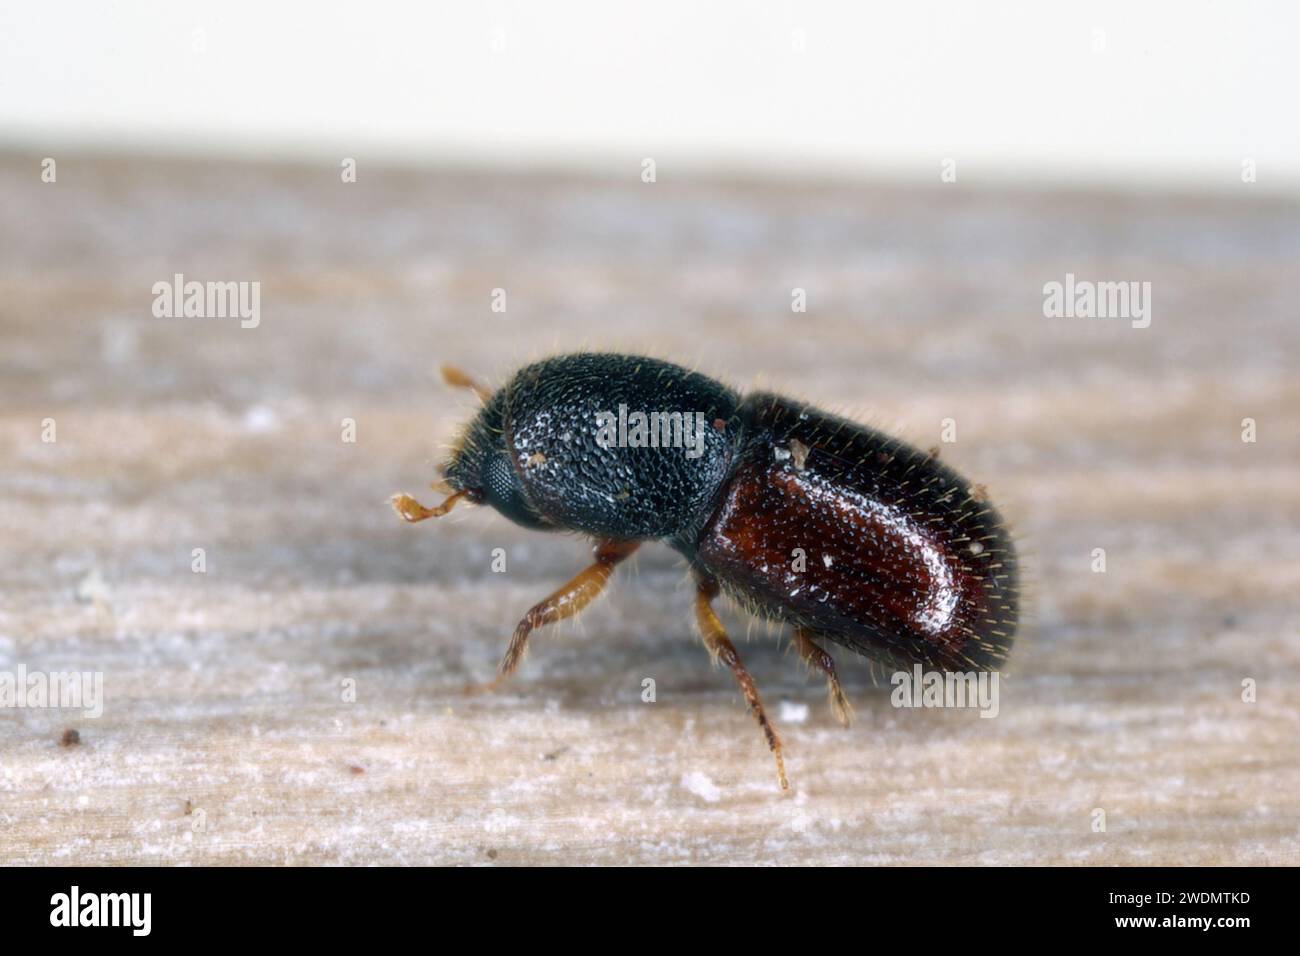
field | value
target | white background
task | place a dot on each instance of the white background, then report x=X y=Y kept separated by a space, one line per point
x=1171 y=93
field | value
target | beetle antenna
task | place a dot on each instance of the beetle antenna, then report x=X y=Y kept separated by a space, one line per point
x=458 y=378
x=411 y=510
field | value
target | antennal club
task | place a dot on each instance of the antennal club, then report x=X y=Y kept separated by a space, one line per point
x=458 y=378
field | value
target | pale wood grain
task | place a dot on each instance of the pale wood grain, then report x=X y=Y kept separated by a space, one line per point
x=223 y=689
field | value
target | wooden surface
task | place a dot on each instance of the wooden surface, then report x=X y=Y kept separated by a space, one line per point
x=225 y=738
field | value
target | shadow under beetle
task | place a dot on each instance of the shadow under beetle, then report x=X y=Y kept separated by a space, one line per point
x=849 y=535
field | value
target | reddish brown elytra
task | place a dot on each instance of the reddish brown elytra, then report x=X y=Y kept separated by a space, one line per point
x=848 y=535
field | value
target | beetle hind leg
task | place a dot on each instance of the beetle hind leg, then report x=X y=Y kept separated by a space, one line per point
x=721 y=649
x=814 y=656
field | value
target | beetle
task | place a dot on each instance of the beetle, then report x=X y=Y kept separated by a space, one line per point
x=848 y=535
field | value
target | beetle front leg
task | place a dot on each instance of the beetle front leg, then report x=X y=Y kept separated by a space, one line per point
x=564 y=603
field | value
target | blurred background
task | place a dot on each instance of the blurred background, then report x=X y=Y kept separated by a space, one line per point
x=857 y=205
x=1017 y=91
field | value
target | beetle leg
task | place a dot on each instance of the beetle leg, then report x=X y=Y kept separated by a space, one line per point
x=814 y=656
x=564 y=603
x=721 y=649
x=459 y=378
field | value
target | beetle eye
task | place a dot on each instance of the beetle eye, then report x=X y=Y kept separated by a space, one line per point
x=503 y=491
x=498 y=477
